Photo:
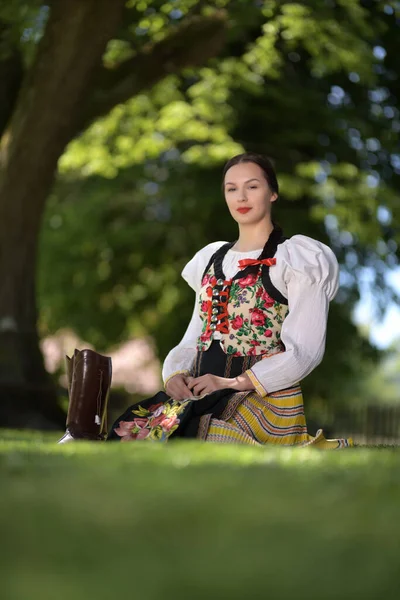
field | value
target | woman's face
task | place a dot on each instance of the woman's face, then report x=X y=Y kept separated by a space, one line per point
x=245 y=187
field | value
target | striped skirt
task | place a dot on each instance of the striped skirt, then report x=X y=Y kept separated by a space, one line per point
x=275 y=419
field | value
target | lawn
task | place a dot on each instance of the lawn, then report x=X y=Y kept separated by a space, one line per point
x=191 y=520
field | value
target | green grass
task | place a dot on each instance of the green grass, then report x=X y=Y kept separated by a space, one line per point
x=192 y=521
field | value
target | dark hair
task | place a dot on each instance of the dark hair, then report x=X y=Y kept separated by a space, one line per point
x=262 y=161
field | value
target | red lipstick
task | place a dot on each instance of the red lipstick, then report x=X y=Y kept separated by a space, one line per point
x=243 y=210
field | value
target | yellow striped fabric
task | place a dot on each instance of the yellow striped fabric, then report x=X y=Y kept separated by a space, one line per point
x=277 y=418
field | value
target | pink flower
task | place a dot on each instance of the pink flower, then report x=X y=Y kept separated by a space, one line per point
x=143 y=433
x=169 y=423
x=129 y=438
x=248 y=280
x=204 y=306
x=257 y=317
x=237 y=322
x=140 y=422
x=252 y=351
x=259 y=292
x=205 y=280
x=268 y=333
x=157 y=420
x=238 y=354
x=125 y=428
x=125 y=431
x=255 y=343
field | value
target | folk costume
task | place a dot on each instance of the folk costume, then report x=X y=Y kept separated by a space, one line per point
x=262 y=313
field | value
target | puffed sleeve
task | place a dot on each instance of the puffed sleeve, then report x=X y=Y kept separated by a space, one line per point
x=181 y=358
x=194 y=269
x=307 y=273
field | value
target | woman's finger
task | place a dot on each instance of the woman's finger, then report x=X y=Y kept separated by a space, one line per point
x=173 y=387
x=184 y=391
x=200 y=388
x=194 y=381
x=175 y=392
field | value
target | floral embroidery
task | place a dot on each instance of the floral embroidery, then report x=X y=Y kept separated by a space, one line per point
x=156 y=423
x=247 y=281
x=255 y=319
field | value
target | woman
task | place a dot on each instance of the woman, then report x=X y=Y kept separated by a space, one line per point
x=258 y=328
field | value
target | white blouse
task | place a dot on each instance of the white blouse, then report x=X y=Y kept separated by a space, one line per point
x=307 y=274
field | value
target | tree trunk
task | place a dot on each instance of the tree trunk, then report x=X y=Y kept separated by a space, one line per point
x=45 y=119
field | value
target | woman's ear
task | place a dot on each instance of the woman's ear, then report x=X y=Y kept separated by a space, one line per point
x=274 y=197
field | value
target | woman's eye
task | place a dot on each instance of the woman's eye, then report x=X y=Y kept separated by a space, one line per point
x=253 y=187
x=231 y=190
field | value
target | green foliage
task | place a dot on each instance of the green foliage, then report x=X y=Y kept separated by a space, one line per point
x=199 y=114
x=382 y=384
x=152 y=124
x=21 y=26
x=124 y=258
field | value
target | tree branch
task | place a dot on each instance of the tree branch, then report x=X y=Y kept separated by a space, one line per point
x=191 y=44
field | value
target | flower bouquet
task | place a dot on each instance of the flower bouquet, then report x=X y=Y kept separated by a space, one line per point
x=155 y=423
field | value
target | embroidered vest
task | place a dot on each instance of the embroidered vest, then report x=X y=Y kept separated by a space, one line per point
x=247 y=310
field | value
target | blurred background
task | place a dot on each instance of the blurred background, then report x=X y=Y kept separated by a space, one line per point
x=115 y=121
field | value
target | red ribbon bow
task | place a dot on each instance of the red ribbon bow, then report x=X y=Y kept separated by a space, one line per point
x=247 y=262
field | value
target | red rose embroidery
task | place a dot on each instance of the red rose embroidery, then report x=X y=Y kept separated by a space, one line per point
x=268 y=333
x=205 y=336
x=237 y=322
x=255 y=343
x=205 y=280
x=259 y=292
x=257 y=317
x=268 y=301
x=209 y=291
x=247 y=281
x=204 y=306
x=238 y=354
x=213 y=280
x=252 y=351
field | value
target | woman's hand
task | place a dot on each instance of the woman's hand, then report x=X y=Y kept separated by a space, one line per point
x=206 y=384
x=177 y=388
